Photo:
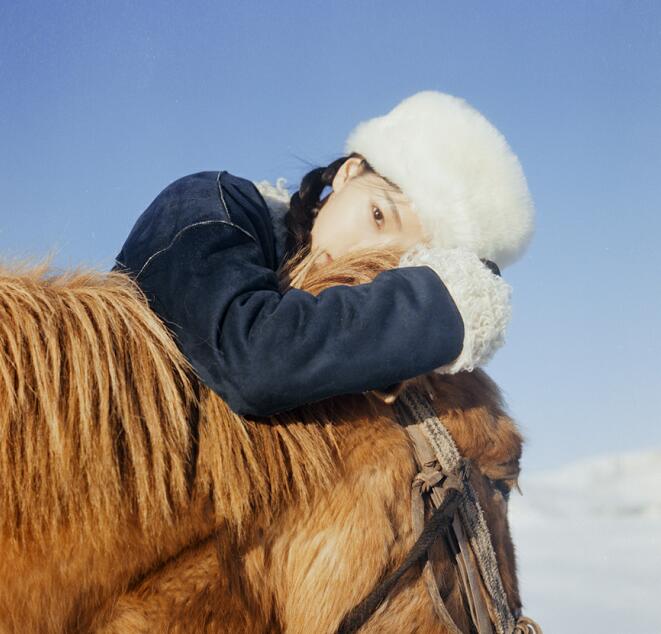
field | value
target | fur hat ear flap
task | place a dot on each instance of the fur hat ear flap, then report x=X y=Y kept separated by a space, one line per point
x=456 y=169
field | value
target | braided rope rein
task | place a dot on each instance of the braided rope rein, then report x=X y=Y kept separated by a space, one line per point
x=454 y=498
x=471 y=513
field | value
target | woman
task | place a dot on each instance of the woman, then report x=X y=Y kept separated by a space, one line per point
x=432 y=176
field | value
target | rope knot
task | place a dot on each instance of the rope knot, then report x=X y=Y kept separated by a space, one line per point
x=432 y=475
x=428 y=479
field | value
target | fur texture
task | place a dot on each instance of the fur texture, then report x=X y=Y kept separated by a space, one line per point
x=276 y=198
x=134 y=500
x=458 y=171
x=483 y=299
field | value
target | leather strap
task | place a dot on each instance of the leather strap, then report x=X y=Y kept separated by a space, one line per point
x=428 y=477
x=435 y=452
x=473 y=585
x=428 y=480
x=450 y=493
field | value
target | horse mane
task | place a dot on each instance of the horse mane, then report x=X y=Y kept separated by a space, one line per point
x=94 y=399
x=98 y=409
x=102 y=420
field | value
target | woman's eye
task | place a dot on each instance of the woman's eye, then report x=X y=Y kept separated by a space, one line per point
x=378 y=216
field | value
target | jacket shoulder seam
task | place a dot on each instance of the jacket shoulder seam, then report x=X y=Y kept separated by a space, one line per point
x=222 y=195
x=182 y=231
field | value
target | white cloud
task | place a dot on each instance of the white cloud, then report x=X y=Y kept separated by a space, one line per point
x=588 y=542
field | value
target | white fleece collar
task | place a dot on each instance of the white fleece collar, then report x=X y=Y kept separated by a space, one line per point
x=277 y=200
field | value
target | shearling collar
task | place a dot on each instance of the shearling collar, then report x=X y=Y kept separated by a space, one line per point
x=277 y=200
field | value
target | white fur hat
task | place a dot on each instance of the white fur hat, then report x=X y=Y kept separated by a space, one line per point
x=456 y=169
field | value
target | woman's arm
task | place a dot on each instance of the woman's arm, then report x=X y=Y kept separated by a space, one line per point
x=203 y=253
x=263 y=351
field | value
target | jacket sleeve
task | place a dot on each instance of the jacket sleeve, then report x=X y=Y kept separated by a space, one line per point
x=264 y=351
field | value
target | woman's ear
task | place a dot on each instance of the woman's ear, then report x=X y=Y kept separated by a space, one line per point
x=348 y=170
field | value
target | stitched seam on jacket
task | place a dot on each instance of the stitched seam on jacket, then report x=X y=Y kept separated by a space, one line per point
x=182 y=231
x=222 y=196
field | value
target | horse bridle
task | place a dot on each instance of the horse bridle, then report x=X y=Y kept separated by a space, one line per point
x=444 y=479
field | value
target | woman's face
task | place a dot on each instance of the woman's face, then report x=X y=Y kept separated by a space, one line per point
x=363 y=210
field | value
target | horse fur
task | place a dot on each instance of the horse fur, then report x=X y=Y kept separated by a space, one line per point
x=130 y=491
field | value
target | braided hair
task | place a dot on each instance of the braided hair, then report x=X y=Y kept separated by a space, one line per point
x=306 y=203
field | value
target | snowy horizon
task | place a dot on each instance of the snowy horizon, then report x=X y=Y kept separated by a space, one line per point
x=587 y=537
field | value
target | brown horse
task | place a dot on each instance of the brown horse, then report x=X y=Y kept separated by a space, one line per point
x=134 y=500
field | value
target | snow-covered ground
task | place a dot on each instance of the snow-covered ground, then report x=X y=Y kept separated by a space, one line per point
x=588 y=542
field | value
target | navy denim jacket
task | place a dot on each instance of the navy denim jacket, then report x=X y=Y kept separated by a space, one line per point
x=204 y=253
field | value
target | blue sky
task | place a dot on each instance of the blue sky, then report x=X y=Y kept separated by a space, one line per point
x=102 y=104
